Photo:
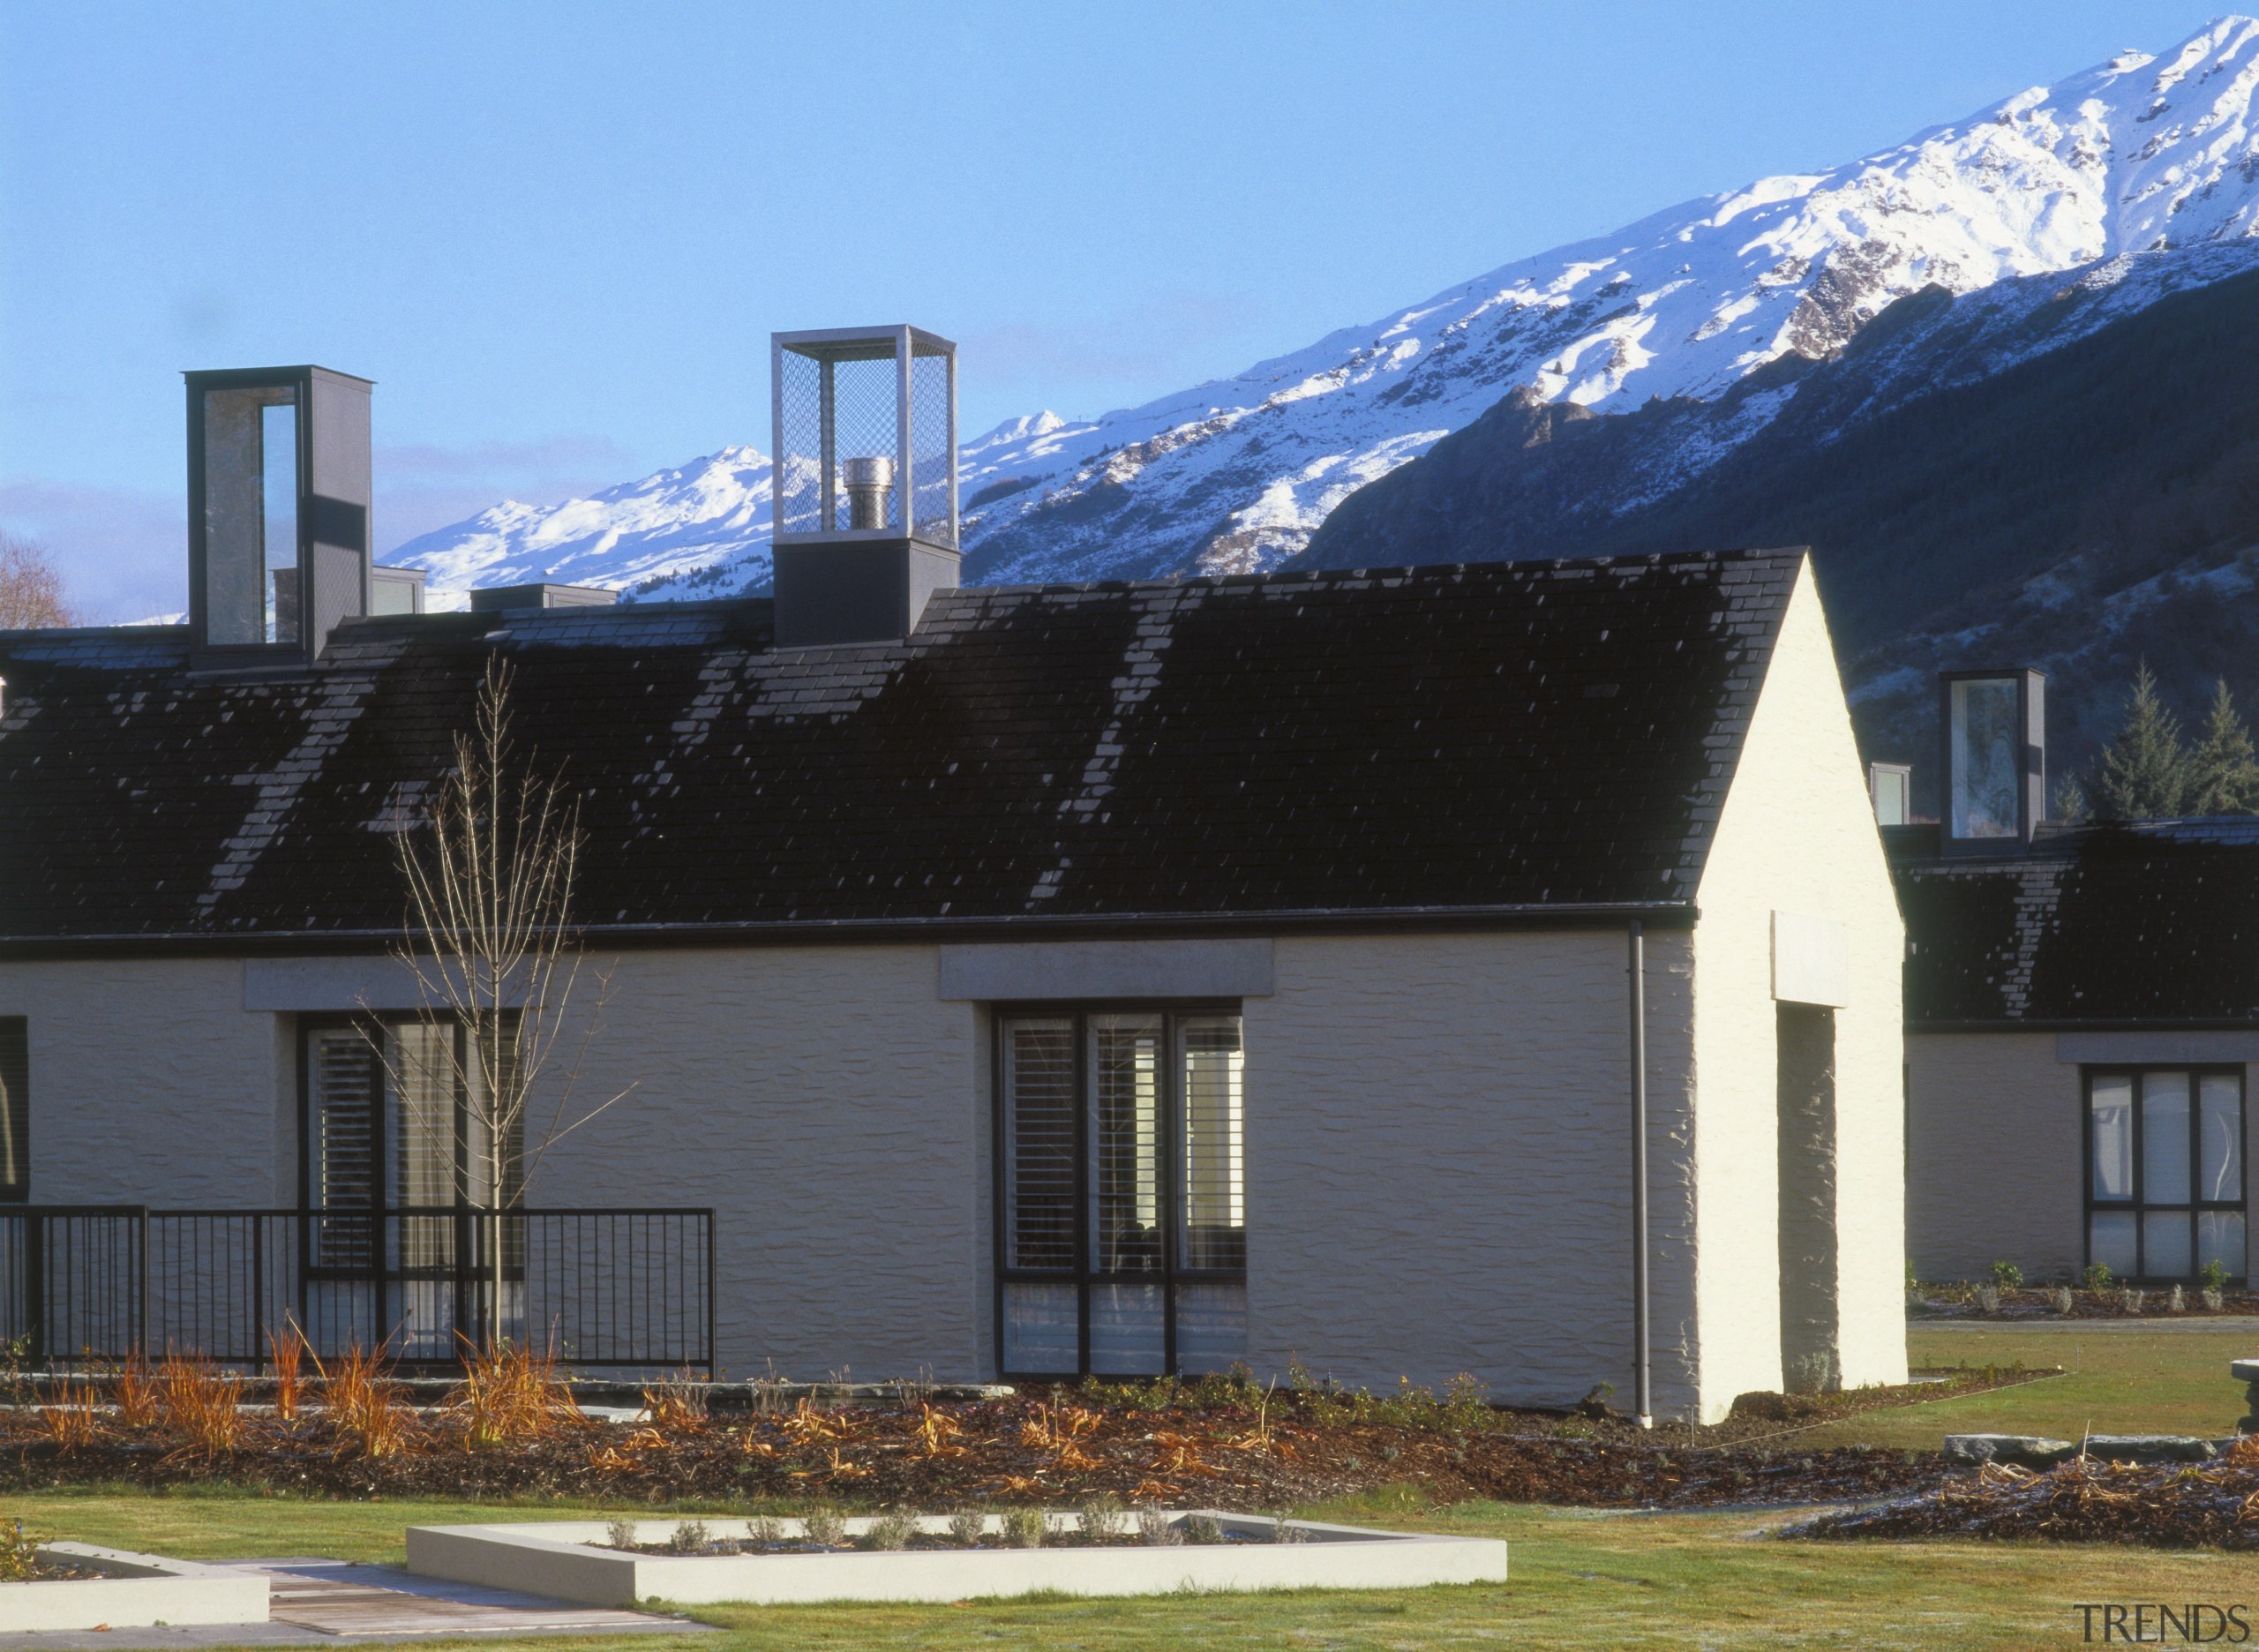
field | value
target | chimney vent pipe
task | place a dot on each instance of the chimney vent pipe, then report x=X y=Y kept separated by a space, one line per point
x=868 y=482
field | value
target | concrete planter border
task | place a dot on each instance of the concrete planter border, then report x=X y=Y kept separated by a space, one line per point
x=553 y=1557
x=140 y=1591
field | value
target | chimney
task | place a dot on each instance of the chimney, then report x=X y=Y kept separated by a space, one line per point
x=864 y=435
x=495 y=599
x=1992 y=759
x=278 y=511
x=1890 y=788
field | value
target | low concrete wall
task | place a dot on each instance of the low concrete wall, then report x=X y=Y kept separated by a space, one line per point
x=144 y=1590
x=553 y=1557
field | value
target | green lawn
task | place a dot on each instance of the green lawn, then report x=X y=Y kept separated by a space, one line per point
x=2116 y=1382
x=1581 y=1579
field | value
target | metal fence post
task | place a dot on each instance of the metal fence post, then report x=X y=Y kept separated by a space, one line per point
x=140 y=1220
x=35 y=1288
x=707 y=1222
x=258 y=1294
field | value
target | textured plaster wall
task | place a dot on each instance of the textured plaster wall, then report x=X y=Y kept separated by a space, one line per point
x=149 y=1085
x=1796 y=834
x=1439 y=1163
x=824 y=1102
x=1994 y=1138
x=829 y=1107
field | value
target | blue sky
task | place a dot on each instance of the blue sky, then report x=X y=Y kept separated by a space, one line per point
x=559 y=235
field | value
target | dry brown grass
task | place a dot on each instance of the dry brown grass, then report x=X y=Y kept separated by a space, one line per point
x=70 y=1419
x=201 y=1404
x=140 y=1400
x=363 y=1402
x=510 y=1396
x=286 y=1351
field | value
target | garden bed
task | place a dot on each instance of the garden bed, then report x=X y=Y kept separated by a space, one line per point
x=587 y=1560
x=511 y=1430
x=1963 y=1300
x=2086 y=1499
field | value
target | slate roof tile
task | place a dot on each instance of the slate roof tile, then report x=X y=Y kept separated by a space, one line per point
x=1368 y=741
x=2154 y=923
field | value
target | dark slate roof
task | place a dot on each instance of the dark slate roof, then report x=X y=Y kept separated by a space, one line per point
x=1532 y=735
x=2150 y=923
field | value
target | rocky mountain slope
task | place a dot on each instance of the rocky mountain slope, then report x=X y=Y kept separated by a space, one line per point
x=2141 y=154
x=2054 y=472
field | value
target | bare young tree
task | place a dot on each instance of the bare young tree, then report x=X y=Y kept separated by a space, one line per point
x=489 y=872
x=30 y=587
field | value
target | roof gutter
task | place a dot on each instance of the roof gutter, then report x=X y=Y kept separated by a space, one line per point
x=1672 y=914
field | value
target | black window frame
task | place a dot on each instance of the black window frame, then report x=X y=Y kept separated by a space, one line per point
x=369 y=1025
x=2139 y=1206
x=18 y=1097
x=1083 y=1276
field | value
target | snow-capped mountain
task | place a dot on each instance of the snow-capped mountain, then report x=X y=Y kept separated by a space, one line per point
x=674 y=526
x=2140 y=154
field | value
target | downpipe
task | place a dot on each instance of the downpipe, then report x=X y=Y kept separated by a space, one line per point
x=1636 y=968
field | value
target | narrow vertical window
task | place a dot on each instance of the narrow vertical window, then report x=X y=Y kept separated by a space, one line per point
x=1041 y=1321
x=2168 y=1245
x=2219 y=1172
x=1128 y=1316
x=421 y=1127
x=1215 y=1188
x=15 y=1109
x=2112 y=1235
x=341 y=1090
x=1211 y=1305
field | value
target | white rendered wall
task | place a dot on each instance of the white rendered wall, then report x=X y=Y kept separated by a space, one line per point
x=1796 y=834
x=1438 y=1159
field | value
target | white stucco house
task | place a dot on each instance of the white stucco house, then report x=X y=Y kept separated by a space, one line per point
x=1115 y=978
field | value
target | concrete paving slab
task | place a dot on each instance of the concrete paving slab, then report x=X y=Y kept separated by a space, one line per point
x=318 y=1602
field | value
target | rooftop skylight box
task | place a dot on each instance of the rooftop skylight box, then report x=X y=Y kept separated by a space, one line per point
x=1993 y=761
x=279 y=494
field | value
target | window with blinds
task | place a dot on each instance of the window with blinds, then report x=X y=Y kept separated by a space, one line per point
x=2165 y=1171
x=344 y=1085
x=389 y=1124
x=1123 y=1242
x=15 y=1109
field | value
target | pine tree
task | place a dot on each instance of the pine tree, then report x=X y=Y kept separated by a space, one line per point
x=2144 y=773
x=2071 y=801
x=2223 y=769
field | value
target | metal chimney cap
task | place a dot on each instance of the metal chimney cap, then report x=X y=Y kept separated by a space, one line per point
x=876 y=471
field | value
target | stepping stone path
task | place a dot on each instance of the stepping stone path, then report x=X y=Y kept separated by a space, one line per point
x=2036 y=1451
x=2246 y=1372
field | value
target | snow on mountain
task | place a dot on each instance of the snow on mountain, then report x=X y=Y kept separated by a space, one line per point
x=672 y=527
x=2140 y=154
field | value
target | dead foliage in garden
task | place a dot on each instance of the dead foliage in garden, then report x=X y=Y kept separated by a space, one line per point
x=511 y=1428
x=2087 y=1500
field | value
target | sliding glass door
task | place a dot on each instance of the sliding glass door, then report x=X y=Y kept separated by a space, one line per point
x=1122 y=1210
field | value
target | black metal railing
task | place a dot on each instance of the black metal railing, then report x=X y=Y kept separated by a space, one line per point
x=608 y=1288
